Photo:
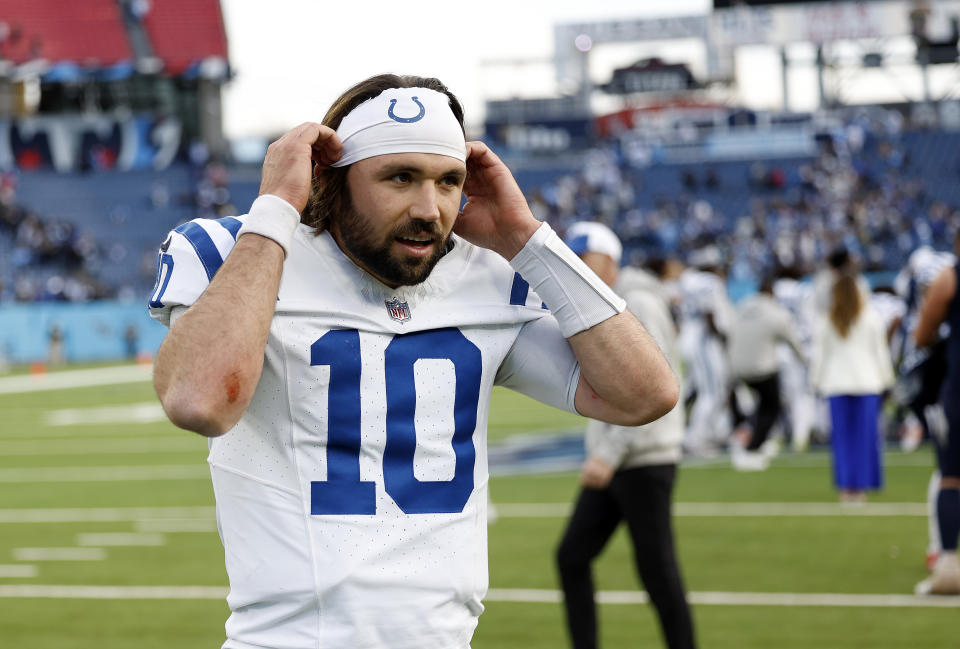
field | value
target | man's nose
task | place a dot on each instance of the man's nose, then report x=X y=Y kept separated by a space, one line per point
x=425 y=204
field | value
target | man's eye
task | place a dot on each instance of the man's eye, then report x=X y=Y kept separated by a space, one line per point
x=452 y=181
x=400 y=178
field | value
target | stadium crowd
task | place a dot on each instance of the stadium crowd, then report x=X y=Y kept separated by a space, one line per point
x=861 y=191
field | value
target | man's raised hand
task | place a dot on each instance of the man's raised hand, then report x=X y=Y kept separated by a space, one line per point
x=289 y=164
x=496 y=215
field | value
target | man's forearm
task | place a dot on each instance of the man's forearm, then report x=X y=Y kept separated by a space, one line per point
x=628 y=379
x=209 y=364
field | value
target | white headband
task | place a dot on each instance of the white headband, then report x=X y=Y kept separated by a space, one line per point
x=401 y=120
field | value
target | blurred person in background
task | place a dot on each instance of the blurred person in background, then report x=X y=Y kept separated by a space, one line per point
x=56 y=350
x=705 y=312
x=851 y=367
x=629 y=472
x=795 y=389
x=940 y=319
x=760 y=325
x=920 y=371
x=839 y=262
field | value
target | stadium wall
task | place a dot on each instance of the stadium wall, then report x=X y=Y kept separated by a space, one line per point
x=92 y=331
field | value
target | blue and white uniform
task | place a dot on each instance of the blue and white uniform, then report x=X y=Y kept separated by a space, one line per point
x=704 y=294
x=795 y=388
x=352 y=495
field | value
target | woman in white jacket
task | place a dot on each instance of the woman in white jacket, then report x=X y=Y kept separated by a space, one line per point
x=851 y=366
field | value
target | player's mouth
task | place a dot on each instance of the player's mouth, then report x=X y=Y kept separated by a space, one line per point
x=418 y=245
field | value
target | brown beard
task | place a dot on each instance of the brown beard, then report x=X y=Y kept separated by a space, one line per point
x=376 y=257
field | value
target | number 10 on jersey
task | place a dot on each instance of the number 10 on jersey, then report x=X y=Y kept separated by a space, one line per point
x=343 y=492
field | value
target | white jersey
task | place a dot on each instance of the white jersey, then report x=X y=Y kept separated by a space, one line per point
x=352 y=494
x=702 y=293
x=911 y=283
x=797 y=297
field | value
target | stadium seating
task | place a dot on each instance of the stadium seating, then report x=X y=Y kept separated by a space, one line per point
x=89 y=32
x=184 y=32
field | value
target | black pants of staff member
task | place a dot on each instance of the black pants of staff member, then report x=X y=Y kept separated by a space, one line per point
x=640 y=496
x=767 y=389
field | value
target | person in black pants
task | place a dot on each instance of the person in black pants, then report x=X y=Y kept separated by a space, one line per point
x=760 y=326
x=628 y=474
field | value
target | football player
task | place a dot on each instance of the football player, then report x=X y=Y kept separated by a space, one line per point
x=339 y=344
x=939 y=312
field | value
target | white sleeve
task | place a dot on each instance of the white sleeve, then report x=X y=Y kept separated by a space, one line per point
x=188 y=260
x=541 y=365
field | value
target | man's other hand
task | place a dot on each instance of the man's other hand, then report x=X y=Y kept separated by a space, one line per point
x=291 y=162
x=596 y=474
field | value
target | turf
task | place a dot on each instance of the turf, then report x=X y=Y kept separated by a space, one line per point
x=774 y=554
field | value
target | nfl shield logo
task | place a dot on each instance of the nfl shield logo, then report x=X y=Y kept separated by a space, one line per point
x=398 y=310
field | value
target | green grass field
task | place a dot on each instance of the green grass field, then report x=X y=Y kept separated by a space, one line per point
x=75 y=462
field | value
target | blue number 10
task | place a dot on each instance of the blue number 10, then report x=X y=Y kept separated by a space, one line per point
x=343 y=492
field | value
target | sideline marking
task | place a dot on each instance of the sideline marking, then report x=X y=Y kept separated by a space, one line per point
x=190 y=519
x=516 y=595
x=59 y=554
x=773 y=509
x=105 y=514
x=173 y=525
x=23 y=571
x=713 y=598
x=106 y=473
x=145 y=412
x=120 y=446
x=119 y=539
x=76 y=379
x=92 y=434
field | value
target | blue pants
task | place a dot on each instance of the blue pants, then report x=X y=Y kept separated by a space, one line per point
x=855 y=441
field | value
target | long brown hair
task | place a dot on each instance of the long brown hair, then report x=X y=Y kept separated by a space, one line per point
x=329 y=195
x=846 y=303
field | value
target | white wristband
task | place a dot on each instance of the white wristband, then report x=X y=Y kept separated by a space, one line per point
x=575 y=295
x=272 y=217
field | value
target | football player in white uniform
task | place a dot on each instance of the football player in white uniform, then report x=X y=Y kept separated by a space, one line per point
x=705 y=314
x=339 y=344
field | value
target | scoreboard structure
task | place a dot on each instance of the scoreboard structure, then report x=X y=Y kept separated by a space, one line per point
x=929 y=28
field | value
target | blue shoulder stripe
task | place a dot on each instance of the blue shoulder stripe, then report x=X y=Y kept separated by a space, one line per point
x=518 y=293
x=231 y=224
x=204 y=245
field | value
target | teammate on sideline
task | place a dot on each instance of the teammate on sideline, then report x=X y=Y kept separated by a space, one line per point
x=921 y=371
x=941 y=306
x=705 y=313
x=339 y=344
x=629 y=472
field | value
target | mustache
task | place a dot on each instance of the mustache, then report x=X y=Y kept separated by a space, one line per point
x=419 y=228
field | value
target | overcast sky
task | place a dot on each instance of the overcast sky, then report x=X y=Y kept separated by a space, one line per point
x=293 y=57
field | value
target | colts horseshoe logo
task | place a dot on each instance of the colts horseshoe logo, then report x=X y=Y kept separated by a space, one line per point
x=406 y=120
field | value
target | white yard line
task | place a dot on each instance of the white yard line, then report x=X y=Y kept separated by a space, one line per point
x=75 y=379
x=177 y=525
x=106 y=473
x=19 y=570
x=59 y=554
x=145 y=412
x=105 y=514
x=123 y=446
x=773 y=509
x=113 y=592
x=161 y=519
x=93 y=434
x=867 y=600
x=120 y=539
x=519 y=595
